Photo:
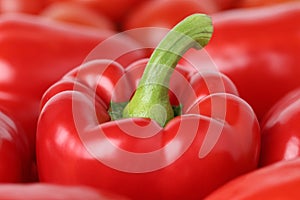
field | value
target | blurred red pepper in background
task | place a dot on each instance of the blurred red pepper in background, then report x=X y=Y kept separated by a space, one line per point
x=22 y=6
x=281 y=130
x=163 y=13
x=258 y=49
x=15 y=156
x=72 y=12
x=115 y=10
x=168 y=13
x=257 y=3
x=38 y=191
x=276 y=181
x=97 y=13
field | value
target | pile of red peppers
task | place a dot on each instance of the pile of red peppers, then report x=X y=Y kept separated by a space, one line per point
x=149 y=99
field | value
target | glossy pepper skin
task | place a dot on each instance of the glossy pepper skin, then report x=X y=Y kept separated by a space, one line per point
x=38 y=191
x=281 y=130
x=15 y=162
x=248 y=47
x=276 y=181
x=30 y=63
x=215 y=139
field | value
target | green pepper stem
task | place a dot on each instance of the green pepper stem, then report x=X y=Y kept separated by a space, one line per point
x=151 y=99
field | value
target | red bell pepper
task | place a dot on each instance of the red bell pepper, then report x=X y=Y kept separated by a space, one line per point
x=248 y=47
x=163 y=13
x=71 y=12
x=277 y=181
x=22 y=6
x=15 y=163
x=256 y=3
x=157 y=149
x=281 y=130
x=167 y=13
x=115 y=10
x=35 y=53
x=38 y=191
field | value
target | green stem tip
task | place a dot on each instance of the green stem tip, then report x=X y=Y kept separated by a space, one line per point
x=151 y=99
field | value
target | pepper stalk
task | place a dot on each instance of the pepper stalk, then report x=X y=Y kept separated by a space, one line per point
x=151 y=99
